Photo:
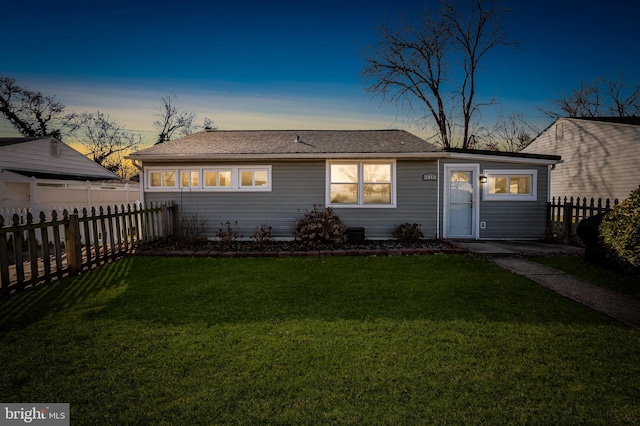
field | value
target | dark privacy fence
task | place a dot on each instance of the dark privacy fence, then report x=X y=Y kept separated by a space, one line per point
x=564 y=215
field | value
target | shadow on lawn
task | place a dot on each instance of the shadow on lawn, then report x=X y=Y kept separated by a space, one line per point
x=80 y=293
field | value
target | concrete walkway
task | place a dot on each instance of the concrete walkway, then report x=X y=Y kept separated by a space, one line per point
x=511 y=255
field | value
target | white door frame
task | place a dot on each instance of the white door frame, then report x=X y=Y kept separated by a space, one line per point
x=475 y=217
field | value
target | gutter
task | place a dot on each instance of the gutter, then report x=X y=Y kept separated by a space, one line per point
x=528 y=159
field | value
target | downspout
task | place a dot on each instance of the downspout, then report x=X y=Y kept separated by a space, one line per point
x=140 y=178
x=438 y=201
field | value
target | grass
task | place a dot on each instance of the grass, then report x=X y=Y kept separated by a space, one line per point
x=443 y=339
x=578 y=267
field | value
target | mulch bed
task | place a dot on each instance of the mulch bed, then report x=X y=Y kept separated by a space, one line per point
x=296 y=248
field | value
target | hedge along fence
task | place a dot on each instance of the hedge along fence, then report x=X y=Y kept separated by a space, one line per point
x=35 y=252
x=564 y=215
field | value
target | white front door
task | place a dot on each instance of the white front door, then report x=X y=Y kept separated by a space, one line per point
x=460 y=207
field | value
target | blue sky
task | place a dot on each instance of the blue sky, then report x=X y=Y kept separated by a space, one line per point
x=286 y=64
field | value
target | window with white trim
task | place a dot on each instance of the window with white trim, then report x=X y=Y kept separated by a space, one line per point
x=162 y=179
x=513 y=185
x=361 y=183
x=189 y=178
x=217 y=178
x=227 y=178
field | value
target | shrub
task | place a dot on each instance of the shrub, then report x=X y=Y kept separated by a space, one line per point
x=228 y=234
x=408 y=232
x=320 y=226
x=620 y=231
x=262 y=235
x=191 y=229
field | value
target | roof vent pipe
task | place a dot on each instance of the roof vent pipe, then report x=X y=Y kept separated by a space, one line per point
x=298 y=139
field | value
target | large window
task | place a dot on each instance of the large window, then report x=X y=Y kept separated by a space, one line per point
x=511 y=185
x=228 y=178
x=361 y=183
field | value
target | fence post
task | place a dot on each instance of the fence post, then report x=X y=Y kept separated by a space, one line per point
x=549 y=221
x=164 y=220
x=74 y=247
x=567 y=222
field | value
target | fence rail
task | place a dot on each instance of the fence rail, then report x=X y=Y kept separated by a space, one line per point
x=564 y=214
x=32 y=252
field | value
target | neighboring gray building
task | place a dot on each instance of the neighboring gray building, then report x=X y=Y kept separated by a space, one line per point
x=375 y=179
x=601 y=156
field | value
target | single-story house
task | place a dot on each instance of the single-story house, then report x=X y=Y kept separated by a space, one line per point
x=600 y=156
x=375 y=179
x=44 y=174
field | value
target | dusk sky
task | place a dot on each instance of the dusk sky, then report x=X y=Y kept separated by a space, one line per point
x=285 y=64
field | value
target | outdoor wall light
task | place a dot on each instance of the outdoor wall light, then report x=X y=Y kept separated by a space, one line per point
x=482 y=179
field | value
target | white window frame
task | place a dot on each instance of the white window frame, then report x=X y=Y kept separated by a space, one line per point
x=217 y=171
x=162 y=186
x=360 y=204
x=190 y=170
x=235 y=170
x=509 y=173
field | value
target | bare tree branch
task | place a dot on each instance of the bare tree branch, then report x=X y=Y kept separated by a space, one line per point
x=430 y=67
x=106 y=142
x=34 y=114
x=600 y=98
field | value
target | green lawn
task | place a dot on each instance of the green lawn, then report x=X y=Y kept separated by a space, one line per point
x=443 y=339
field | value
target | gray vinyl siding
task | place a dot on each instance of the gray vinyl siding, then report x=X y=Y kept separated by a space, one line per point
x=507 y=220
x=296 y=187
x=416 y=203
x=516 y=219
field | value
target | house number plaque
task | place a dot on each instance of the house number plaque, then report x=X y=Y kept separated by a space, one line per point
x=429 y=177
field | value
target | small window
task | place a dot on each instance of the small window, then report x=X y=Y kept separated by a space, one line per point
x=226 y=178
x=162 y=179
x=217 y=178
x=361 y=184
x=189 y=178
x=254 y=178
x=510 y=185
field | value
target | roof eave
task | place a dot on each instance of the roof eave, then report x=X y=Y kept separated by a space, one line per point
x=296 y=156
x=528 y=159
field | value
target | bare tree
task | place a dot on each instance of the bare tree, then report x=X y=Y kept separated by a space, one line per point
x=106 y=142
x=172 y=119
x=34 y=114
x=511 y=133
x=599 y=98
x=430 y=68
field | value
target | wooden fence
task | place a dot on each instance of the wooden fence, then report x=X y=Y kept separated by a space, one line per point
x=53 y=247
x=564 y=214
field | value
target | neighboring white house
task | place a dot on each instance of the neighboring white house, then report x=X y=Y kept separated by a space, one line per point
x=43 y=174
x=601 y=156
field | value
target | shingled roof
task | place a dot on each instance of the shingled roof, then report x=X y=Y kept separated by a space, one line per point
x=283 y=143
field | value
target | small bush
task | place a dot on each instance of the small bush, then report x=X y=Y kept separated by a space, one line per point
x=191 y=229
x=620 y=231
x=320 y=226
x=262 y=235
x=228 y=234
x=408 y=233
